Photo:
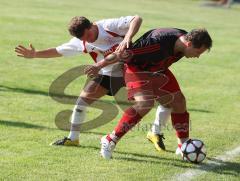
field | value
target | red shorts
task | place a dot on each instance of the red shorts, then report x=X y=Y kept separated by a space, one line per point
x=150 y=83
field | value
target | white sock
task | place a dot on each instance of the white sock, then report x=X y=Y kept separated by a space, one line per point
x=162 y=116
x=78 y=116
x=113 y=137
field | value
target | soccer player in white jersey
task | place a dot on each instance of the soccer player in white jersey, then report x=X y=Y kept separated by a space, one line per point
x=98 y=39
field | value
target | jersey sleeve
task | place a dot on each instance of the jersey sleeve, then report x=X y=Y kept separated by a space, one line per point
x=71 y=48
x=118 y=25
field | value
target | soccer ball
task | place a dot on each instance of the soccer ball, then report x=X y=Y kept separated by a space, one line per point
x=193 y=150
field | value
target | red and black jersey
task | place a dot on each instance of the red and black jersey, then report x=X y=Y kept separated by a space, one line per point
x=154 y=51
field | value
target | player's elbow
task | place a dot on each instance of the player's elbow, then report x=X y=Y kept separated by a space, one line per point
x=138 y=19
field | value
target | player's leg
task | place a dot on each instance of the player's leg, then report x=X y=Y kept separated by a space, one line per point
x=92 y=91
x=176 y=101
x=155 y=135
x=162 y=115
x=179 y=114
x=139 y=88
x=143 y=104
x=180 y=119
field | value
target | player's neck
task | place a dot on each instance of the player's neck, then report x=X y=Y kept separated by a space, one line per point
x=180 y=45
x=95 y=30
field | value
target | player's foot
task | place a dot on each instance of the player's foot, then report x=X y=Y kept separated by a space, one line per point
x=66 y=142
x=178 y=150
x=157 y=140
x=107 y=148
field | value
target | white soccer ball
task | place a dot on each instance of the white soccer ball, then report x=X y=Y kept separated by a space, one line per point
x=194 y=150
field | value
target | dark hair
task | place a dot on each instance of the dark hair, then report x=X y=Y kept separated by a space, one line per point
x=77 y=26
x=199 y=38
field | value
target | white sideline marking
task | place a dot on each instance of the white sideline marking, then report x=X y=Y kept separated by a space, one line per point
x=211 y=164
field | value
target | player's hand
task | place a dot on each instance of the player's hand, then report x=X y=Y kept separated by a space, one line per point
x=91 y=71
x=123 y=45
x=25 y=52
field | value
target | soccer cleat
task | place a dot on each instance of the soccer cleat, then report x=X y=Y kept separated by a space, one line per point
x=178 y=151
x=157 y=140
x=65 y=142
x=107 y=148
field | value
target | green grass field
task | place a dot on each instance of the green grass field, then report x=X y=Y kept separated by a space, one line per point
x=27 y=112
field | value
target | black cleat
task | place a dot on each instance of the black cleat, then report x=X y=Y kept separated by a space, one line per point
x=65 y=142
x=157 y=140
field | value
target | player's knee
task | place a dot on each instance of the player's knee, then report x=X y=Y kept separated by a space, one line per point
x=81 y=104
x=83 y=94
x=88 y=97
x=143 y=107
x=93 y=91
x=84 y=97
x=166 y=100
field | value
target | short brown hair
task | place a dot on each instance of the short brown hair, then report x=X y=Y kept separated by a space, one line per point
x=77 y=26
x=199 y=37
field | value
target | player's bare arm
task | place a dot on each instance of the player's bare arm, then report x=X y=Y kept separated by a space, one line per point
x=92 y=70
x=133 y=29
x=32 y=53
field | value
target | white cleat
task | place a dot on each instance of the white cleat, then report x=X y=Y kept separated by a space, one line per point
x=107 y=148
x=178 y=151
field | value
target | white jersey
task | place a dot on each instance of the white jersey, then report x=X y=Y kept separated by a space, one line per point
x=110 y=33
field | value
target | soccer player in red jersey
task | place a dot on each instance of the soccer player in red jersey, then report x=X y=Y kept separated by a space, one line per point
x=148 y=78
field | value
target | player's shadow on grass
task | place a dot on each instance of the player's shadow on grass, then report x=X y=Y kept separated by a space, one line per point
x=4 y=88
x=217 y=166
x=22 y=90
x=142 y=158
x=94 y=132
x=199 y=110
x=22 y=125
x=221 y=167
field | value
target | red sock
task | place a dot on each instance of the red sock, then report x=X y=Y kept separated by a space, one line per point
x=180 y=122
x=129 y=119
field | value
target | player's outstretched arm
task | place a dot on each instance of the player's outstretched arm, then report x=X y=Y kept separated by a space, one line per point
x=133 y=29
x=92 y=70
x=32 y=53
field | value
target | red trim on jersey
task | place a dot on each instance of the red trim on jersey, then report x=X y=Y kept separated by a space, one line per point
x=94 y=56
x=110 y=50
x=114 y=34
x=84 y=47
x=147 y=49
